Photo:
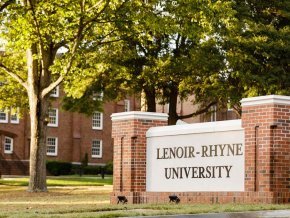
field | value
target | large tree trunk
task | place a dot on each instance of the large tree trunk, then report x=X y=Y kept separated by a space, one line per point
x=150 y=96
x=38 y=106
x=37 y=170
x=173 y=116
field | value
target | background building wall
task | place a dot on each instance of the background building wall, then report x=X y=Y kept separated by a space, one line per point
x=74 y=134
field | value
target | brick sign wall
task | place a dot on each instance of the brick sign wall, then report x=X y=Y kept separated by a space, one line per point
x=266 y=151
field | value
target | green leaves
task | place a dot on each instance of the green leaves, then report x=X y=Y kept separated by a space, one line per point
x=212 y=49
x=259 y=50
x=67 y=38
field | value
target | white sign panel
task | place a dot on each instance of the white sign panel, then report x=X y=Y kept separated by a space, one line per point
x=196 y=157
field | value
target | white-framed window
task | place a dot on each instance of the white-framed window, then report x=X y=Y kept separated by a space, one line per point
x=97 y=148
x=55 y=92
x=8 y=145
x=14 y=117
x=3 y=116
x=97 y=120
x=51 y=146
x=127 y=105
x=213 y=113
x=52 y=117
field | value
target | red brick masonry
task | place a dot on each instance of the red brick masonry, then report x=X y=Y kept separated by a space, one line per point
x=266 y=123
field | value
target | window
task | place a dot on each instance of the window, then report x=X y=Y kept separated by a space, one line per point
x=53 y=117
x=51 y=146
x=8 y=145
x=97 y=120
x=14 y=118
x=127 y=105
x=3 y=116
x=55 y=92
x=97 y=148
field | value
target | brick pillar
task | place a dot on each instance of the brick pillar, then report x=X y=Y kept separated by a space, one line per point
x=266 y=121
x=129 y=135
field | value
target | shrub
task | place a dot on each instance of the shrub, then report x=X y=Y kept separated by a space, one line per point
x=57 y=168
x=92 y=170
x=76 y=169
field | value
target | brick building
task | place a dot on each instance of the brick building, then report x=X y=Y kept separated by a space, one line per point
x=217 y=112
x=70 y=135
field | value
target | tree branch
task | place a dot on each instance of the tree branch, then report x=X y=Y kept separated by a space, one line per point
x=6 y=4
x=95 y=18
x=237 y=110
x=37 y=26
x=141 y=46
x=78 y=38
x=84 y=25
x=98 y=14
x=94 y=6
x=67 y=68
x=110 y=41
x=201 y=111
x=51 y=87
x=13 y=75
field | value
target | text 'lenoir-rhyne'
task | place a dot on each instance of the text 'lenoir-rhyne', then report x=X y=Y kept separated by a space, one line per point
x=206 y=151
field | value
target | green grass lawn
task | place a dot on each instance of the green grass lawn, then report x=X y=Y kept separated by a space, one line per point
x=72 y=196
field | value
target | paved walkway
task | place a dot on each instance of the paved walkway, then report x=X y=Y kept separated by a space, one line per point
x=255 y=214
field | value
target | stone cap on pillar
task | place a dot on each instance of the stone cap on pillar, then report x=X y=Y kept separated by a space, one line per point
x=268 y=99
x=139 y=115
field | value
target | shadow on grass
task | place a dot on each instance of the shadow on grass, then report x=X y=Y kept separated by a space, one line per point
x=61 y=181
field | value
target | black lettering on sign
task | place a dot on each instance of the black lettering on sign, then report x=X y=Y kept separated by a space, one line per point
x=200 y=172
x=221 y=150
x=175 y=152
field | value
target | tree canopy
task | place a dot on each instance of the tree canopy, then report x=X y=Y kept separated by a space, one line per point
x=218 y=51
x=46 y=43
x=256 y=50
x=167 y=44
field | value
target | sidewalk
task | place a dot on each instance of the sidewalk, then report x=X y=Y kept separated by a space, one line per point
x=254 y=214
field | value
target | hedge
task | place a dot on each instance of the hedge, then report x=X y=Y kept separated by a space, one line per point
x=57 y=168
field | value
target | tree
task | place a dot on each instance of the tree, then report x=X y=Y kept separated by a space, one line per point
x=254 y=44
x=33 y=33
x=175 y=42
x=169 y=50
x=261 y=55
x=218 y=51
x=257 y=51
